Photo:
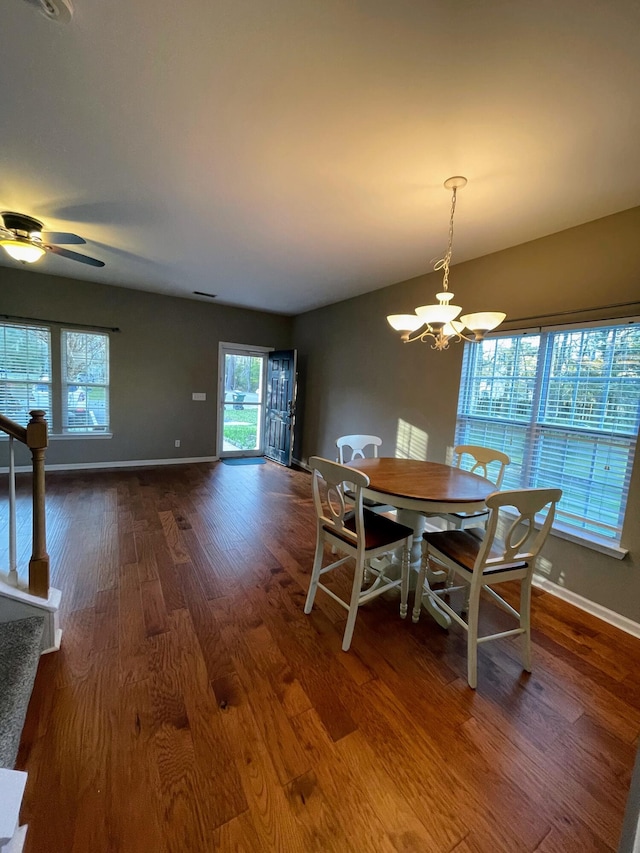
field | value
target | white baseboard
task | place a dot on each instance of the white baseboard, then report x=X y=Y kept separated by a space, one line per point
x=129 y=463
x=610 y=616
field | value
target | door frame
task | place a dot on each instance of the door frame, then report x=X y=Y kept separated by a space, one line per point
x=224 y=348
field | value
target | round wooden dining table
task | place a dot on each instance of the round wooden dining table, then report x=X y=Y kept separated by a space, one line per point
x=420 y=489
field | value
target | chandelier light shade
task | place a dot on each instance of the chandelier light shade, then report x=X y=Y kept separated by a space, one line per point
x=440 y=322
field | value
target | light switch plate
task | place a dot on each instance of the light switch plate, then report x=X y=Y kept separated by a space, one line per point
x=198 y=395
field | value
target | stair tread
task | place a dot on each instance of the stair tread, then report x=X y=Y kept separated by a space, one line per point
x=20 y=643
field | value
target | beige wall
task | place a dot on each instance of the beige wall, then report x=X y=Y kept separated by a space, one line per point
x=166 y=349
x=359 y=377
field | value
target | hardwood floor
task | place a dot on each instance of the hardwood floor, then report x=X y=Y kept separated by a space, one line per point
x=194 y=707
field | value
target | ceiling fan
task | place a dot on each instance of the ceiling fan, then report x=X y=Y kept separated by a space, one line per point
x=22 y=237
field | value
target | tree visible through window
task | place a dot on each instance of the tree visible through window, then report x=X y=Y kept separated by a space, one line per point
x=85 y=378
x=565 y=406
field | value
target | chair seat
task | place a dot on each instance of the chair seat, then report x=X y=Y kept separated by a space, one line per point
x=462 y=546
x=379 y=530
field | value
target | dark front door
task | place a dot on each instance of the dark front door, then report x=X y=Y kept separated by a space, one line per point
x=281 y=403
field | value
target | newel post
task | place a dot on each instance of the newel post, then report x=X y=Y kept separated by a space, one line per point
x=37 y=441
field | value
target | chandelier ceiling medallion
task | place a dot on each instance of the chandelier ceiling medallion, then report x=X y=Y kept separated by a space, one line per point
x=438 y=322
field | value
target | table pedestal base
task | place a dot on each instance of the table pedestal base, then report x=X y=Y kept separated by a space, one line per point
x=418 y=522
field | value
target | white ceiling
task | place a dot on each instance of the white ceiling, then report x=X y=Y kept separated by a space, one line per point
x=288 y=154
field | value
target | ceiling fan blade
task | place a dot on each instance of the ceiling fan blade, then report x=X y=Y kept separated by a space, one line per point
x=64 y=237
x=74 y=256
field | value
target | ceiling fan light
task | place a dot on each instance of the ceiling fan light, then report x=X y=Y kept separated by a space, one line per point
x=483 y=321
x=22 y=250
x=404 y=322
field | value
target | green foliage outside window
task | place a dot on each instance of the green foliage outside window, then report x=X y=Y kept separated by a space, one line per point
x=241 y=427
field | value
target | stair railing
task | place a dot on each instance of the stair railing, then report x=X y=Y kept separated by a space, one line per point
x=35 y=437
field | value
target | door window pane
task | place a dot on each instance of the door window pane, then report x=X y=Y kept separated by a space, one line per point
x=243 y=378
x=240 y=430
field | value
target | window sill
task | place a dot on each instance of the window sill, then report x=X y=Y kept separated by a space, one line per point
x=64 y=436
x=67 y=436
x=591 y=541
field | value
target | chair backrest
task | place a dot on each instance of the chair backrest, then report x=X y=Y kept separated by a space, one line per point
x=328 y=497
x=483 y=457
x=357 y=444
x=523 y=538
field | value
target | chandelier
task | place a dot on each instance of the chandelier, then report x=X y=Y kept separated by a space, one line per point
x=439 y=321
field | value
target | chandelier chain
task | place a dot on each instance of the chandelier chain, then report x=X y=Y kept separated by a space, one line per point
x=447 y=257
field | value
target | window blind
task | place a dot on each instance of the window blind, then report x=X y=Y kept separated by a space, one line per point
x=25 y=371
x=565 y=406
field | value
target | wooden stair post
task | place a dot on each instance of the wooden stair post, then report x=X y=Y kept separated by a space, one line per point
x=37 y=441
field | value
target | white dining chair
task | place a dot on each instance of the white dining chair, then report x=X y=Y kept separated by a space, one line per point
x=360 y=447
x=359 y=534
x=483 y=560
x=486 y=462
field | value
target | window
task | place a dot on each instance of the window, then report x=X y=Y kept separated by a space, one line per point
x=85 y=381
x=565 y=405
x=25 y=370
x=73 y=390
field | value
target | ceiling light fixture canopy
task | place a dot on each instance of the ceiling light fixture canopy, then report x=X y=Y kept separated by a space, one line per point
x=439 y=321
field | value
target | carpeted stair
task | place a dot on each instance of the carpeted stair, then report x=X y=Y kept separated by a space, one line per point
x=20 y=647
x=20 y=644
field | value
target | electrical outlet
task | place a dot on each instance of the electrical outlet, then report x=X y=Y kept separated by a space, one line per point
x=177 y=442
x=198 y=395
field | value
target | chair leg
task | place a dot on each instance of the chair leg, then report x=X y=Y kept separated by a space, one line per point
x=353 y=606
x=458 y=524
x=525 y=622
x=315 y=575
x=404 y=586
x=465 y=603
x=472 y=634
x=417 y=603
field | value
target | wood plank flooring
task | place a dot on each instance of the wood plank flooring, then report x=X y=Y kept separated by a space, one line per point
x=193 y=707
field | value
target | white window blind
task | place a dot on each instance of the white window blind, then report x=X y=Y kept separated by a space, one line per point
x=565 y=405
x=25 y=371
